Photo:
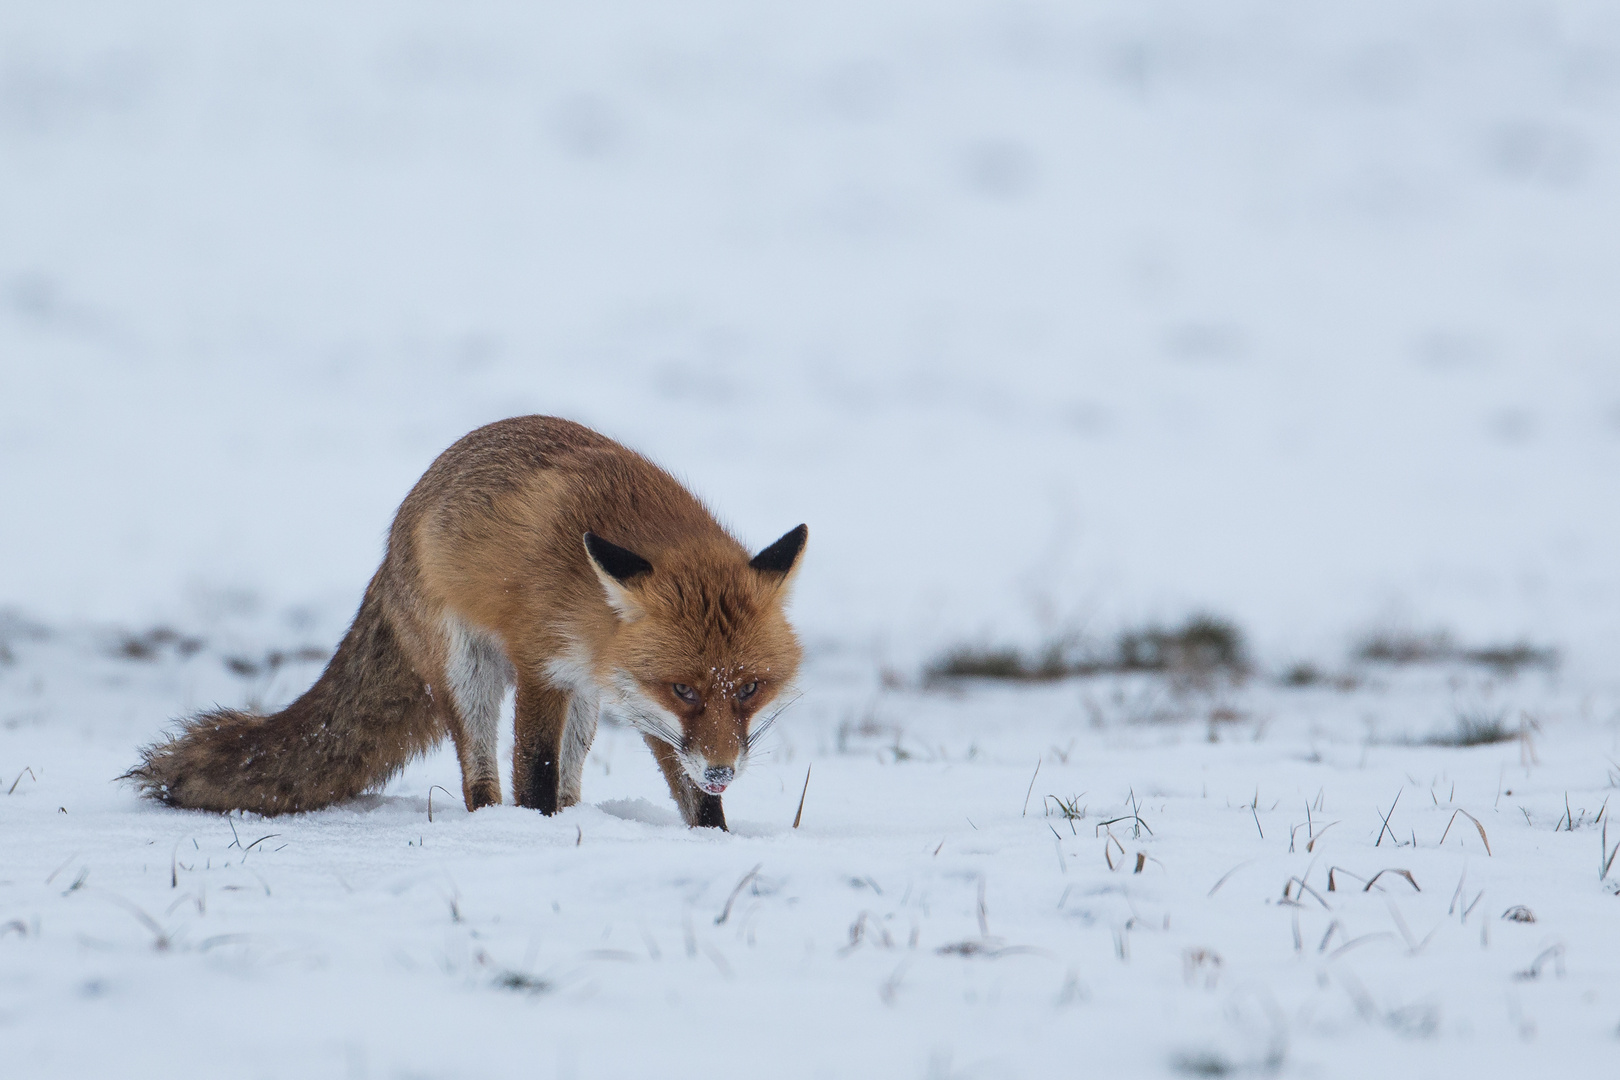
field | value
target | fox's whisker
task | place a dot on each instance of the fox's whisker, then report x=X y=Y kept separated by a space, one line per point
x=656 y=726
x=759 y=730
x=641 y=715
x=653 y=725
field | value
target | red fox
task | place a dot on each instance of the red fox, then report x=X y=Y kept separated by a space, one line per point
x=539 y=553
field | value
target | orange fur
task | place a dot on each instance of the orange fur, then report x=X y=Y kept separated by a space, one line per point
x=488 y=582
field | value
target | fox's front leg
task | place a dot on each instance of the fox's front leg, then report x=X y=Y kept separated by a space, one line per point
x=698 y=808
x=578 y=733
x=477 y=674
x=541 y=717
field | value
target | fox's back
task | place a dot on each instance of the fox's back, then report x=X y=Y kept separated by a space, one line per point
x=497 y=520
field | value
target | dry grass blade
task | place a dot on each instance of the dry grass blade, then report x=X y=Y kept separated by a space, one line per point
x=1070 y=808
x=1031 y=788
x=209 y=943
x=1136 y=823
x=431 y=790
x=1354 y=942
x=858 y=933
x=1108 y=844
x=1303 y=889
x=1386 y=818
x=17 y=781
x=1413 y=946
x=79 y=880
x=1228 y=874
x=1332 y=870
x=736 y=892
x=1554 y=952
x=160 y=938
x=1407 y=874
x=799 y=816
x=1485 y=839
x=1311 y=846
x=1607 y=856
x=1103 y=825
x=61 y=868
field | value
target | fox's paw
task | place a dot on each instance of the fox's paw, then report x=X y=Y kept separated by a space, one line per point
x=482 y=792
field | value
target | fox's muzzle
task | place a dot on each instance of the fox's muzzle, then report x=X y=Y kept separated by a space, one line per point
x=716 y=777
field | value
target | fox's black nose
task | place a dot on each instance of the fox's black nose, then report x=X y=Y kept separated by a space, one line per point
x=717 y=777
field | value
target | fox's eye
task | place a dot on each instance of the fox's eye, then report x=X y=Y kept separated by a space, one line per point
x=684 y=692
x=747 y=691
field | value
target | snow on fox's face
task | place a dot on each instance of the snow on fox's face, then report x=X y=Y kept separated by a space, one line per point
x=702 y=649
x=712 y=720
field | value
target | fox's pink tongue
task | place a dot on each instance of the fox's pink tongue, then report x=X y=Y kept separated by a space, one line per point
x=716 y=778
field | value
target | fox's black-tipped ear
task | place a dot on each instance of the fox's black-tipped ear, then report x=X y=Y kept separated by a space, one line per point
x=620 y=564
x=617 y=568
x=780 y=556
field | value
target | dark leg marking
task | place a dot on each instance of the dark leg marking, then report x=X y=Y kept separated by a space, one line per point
x=543 y=786
x=710 y=814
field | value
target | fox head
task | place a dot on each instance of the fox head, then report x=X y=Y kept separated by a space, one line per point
x=701 y=649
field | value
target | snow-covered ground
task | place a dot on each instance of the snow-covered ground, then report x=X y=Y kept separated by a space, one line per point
x=936 y=914
x=1047 y=318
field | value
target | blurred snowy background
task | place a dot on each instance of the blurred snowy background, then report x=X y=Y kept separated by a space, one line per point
x=1046 y=318
x=1042 y=316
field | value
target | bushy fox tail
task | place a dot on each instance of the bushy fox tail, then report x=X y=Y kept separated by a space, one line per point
x=366 y=716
